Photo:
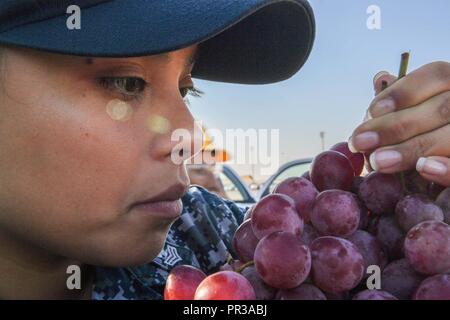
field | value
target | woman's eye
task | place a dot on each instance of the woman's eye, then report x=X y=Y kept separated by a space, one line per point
x=128 y=86
x=191 y=91
x=184 y=92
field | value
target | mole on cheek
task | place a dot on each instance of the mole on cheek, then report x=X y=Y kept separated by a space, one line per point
x=119 y=110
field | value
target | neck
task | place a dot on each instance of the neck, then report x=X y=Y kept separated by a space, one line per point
x=28 y=272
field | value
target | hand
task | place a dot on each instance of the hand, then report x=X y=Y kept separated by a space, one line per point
x=408 y=124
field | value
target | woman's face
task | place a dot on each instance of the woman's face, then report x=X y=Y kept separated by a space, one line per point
x=81 y=140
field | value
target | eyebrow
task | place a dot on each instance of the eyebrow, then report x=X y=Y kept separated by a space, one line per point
x=192 y=59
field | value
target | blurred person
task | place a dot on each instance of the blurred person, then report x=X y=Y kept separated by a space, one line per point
x=205 y=176
x=203 y=167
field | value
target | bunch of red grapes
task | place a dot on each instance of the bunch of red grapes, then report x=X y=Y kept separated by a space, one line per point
x=316 y=237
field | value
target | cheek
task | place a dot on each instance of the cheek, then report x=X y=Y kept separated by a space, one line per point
x=72 y=162
x=68 y=171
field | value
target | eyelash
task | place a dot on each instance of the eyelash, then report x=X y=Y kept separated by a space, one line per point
x=116 y=83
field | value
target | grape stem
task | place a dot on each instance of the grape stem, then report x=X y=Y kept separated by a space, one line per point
x=403 y=65
x=245 y=265
x=401 y=73
x=230 y=259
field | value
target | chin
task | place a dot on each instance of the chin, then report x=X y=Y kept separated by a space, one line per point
x=130 y=255
x=123 y=259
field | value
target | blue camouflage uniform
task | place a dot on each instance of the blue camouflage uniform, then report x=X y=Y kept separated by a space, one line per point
x=200 y=237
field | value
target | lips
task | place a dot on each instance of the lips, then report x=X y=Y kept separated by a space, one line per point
x=166 y=204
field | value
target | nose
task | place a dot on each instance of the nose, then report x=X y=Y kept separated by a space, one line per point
x=179 y=136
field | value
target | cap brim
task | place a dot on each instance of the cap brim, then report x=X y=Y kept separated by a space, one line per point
x=252 y=41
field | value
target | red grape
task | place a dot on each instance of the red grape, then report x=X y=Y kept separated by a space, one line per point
x=400 y=279
x=337 y=264
x=356 y=159
x=276 y=212
x=225 y=285
x=302 y=191
x=427 y=247
x=309 y=234
x=282 y=260
x=443 y=200
x=306 y=176
x=374 y=295
x=303 y=292
x=245 y=241
x=182 y=282
x=434 y=288
x=332 y=170
x=416 y=208
x=381 y=192
x=391 y=236
x=356 y=183
x=370 y=248
x=263 y=291
x=336 y=213
x=415 y=183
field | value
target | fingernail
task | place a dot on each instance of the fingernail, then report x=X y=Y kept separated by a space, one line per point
x=382 y=107
x=385 y=159
x=378 y=75
x=431 y=167
x=364 y=141
x=350 y=145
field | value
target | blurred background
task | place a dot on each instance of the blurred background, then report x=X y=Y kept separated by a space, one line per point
x=327 y=99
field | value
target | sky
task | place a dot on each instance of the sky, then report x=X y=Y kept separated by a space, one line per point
x=334 y=88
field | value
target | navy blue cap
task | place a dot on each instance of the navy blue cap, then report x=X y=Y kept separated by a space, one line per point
x=240 y=41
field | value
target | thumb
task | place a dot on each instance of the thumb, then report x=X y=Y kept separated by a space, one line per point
x=436 y=169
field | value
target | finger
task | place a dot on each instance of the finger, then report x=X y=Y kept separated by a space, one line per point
x=435 y=169
x=404 y=156
x=367 y=165
x=396 y=127
x=382 y=80
x=416 y=87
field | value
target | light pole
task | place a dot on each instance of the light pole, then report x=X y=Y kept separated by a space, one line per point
x=322 y=138
x=252 y=157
